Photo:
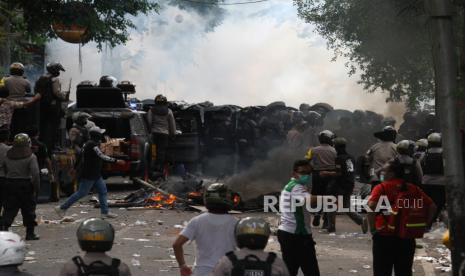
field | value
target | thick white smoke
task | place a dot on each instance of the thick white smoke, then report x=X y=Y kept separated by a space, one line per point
x=260 y=53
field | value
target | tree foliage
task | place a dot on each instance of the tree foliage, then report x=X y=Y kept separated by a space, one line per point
x=108 y=20
x=386 y=41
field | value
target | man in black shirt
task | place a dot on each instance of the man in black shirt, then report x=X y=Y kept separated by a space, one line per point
x=91 y=161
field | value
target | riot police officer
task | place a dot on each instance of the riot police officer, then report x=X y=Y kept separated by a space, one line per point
x=406 y=150
x=381 y=152
x=95 y=237
x=251 y=237
x=16 y=84
x=433 y=169
x=51 y=94
x=323 y=161
x=22 y=184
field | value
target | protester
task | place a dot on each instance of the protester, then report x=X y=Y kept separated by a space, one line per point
x=91 y=161
x=344 y=185
x=95 y=237
x=162 y=126
x=390 y=250
x=252 y=235
x=12 y=254
x=323 y=160
x=4 y=134
x=22 y=184
x=434 y=180
x=295 y=234
x=381 y=152
x=213 y=233
x=49 y=90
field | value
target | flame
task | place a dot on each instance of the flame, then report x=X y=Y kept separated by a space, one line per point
x=194 y=195
x=236 y=200
x=161 y=201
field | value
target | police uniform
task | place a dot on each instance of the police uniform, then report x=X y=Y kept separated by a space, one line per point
x=378 y=155
x=17 y=86
x=225 y=266
x=22 y=182
x=433 y=177
x=70 y=268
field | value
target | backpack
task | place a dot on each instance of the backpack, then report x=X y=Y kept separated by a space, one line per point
x=251 y=265
x=44 y=86
x=97 y=267
x=409 y=216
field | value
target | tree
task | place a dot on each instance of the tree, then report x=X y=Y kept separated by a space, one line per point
x=107 y=21
x=387 y=41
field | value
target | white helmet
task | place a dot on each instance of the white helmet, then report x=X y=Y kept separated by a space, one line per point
x=12 y=249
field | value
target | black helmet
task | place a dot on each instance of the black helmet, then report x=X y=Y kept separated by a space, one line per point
x=95 y=235
x=218 y=196
x=17 y=69
x=21 y=140
x=326 y=137
x=252 y=233
x=406 y=147
x=54 y=68
x=160 y=99
x=340 y=141
x=107 y=81
x=388 y=133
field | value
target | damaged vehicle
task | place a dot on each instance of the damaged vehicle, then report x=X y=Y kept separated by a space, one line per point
x=126 y=135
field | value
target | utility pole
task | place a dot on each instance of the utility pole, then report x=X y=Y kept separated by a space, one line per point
x=445 y=67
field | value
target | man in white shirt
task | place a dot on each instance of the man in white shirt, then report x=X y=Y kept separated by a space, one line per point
x=213 y=233
x=294 y=233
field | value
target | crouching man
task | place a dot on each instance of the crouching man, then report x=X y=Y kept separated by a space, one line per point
x=95 y=237
x=251 y=237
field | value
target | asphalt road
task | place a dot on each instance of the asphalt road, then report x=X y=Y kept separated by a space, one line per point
x=144 y=237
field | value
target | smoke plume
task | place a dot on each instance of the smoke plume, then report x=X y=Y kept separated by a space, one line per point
x=245 y=55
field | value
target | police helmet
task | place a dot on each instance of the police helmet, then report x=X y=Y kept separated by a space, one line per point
x=17 y=69
x=54 y=68
x=252 y=233
x=388 y=133
x=95 y=235
x=107 y=81
x=218 y=196
x=421 y=144
x=406 y=147
x=340 y=141
x=12 y=249
x=21 y=140
x=435 y=140
x=326 y=137
x=160 y=99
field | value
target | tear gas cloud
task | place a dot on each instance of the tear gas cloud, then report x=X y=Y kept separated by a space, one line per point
x=256 y=54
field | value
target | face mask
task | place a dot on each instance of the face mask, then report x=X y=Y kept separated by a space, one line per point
x=304 y=179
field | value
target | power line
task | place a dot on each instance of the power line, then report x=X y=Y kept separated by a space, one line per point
x=224 y=4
